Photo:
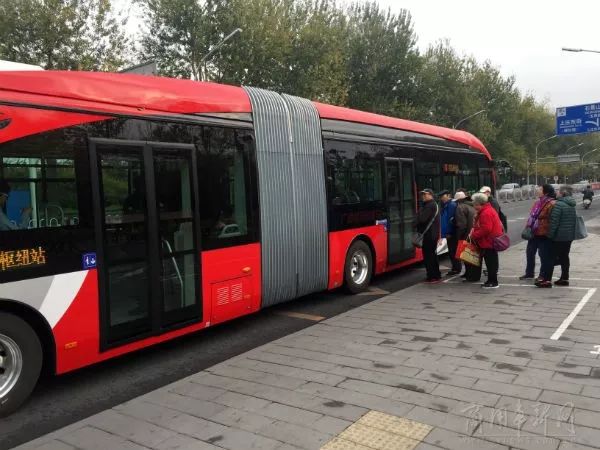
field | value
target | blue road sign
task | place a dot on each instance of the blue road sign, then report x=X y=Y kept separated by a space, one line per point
x=578 y=119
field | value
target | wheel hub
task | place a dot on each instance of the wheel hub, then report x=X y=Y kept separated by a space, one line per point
x=359 y=268
x=11 y=364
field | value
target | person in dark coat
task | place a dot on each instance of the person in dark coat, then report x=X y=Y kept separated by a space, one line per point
x=463 y=223
x=563 y=222
x=429 y=213
x=447 y=217
x=486 y=227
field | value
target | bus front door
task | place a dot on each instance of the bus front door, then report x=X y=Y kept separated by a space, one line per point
x=401 y=208
x=145 y=203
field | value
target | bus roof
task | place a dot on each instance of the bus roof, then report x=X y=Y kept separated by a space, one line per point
x=353 y=115
x=177 y=96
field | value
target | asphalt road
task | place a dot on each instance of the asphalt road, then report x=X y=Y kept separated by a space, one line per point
x=60 y=401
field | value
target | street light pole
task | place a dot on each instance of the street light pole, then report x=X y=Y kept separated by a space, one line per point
x=579 y=50
x=216 y=48
x=591 y=151
x=573 y=146
x=536 y=156
x=468 y=117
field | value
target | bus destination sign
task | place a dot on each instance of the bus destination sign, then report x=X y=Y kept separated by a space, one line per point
x=20 y=259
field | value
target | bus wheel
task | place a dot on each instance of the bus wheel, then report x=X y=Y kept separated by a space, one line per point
x=359 y=267
x=20 y=362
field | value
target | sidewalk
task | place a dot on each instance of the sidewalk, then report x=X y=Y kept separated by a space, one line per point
x=433 y=366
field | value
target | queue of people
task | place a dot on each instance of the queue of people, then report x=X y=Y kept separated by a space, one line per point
x=461 y=218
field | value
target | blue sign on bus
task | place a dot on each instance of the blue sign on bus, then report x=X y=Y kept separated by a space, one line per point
x=88 y=261
x=578 y=119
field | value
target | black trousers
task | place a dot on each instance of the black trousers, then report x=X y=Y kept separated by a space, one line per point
x=452 y=246
x=430 y=259
x=547 y=257
x=492 y=263
x=531 y=252
x=561 y=253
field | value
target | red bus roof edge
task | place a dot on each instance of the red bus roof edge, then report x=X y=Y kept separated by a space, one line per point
x=352 y=115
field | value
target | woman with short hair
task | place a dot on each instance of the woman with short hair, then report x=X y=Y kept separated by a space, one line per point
x=563 y=223
x=486 y=227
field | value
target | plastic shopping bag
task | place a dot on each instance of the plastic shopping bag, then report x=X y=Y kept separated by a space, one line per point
x=468 y=253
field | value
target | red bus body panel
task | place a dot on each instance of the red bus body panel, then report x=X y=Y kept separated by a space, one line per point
x=130 y=90
x=77 y=333
x=340 y=241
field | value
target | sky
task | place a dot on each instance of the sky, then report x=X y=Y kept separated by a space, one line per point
x=523 y=38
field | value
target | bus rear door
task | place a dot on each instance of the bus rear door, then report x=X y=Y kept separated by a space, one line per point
x=401 y=208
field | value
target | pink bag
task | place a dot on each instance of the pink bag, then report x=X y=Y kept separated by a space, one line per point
x=501 y=242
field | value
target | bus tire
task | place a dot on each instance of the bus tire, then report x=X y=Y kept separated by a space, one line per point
x=20 y=362
x=358 y=269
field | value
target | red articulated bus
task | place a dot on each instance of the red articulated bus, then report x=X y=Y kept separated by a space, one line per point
x=135 y=209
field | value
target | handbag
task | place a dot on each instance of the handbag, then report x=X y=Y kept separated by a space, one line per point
x=580 y=229
x=417 y=238
x=468 y=253
x=527 y=234
x=501 y=243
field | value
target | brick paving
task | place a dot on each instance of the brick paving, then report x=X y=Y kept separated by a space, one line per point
x=475 y=369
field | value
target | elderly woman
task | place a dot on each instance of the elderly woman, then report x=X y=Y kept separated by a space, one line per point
x=541 y=230
x=563 y=222
x=486 y=227
x=533 y=243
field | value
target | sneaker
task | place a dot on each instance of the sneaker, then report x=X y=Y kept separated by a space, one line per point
x=452 y=273
x=433 y=280
x=543 y=284
x=526 y=277
x=489 y=285
x=561 y=282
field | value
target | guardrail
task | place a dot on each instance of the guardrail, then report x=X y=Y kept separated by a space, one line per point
x=506 y=196
x=529 y=193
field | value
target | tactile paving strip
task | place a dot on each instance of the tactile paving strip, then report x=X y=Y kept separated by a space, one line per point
x=377 y=439
x=379 y=431
x=342 y=444
x=397 y=425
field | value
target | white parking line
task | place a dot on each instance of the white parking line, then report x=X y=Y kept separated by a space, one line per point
x=451 y=278
x=563 y=326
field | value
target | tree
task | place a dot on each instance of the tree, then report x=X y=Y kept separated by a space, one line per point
x=63 y=34
x=382 y=58
x=442 y=94
x=179 y=33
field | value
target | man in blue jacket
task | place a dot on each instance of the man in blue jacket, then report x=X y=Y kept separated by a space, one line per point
x=449 y=230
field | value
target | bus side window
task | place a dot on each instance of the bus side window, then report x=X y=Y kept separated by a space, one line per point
x=225 y=190
x=38 y=185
